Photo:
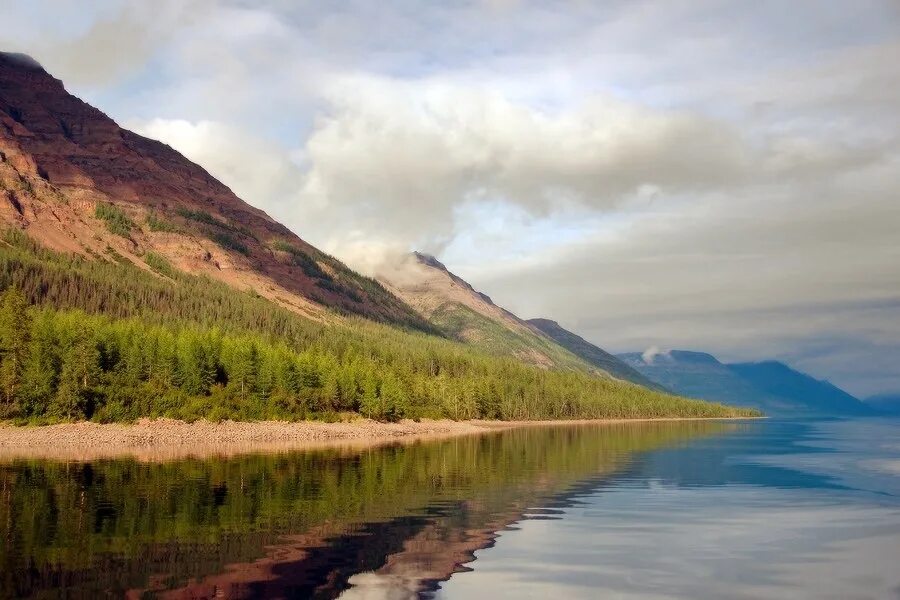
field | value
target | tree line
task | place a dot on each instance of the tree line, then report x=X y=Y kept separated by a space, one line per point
x=105 y=340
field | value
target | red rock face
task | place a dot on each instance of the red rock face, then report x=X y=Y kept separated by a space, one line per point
x=74 y=144
x=48 y=136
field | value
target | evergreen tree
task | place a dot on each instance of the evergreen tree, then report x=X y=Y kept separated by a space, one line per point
x=242 y=367
x=41 y=374
x=392 y=398
x=80 y=373
x=15 y=331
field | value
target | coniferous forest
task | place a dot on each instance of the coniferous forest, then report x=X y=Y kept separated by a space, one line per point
x=102 y=339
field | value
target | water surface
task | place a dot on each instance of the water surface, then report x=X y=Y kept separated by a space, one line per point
x=683 y=509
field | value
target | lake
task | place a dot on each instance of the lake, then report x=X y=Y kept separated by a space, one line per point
x=699 y=509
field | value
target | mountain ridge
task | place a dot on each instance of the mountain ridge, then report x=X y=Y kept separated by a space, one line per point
x=769 y=385
x=592 y=353
x=65 y=166
x=454 y=306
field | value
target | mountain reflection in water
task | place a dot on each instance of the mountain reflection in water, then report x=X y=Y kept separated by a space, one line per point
x=392 y=520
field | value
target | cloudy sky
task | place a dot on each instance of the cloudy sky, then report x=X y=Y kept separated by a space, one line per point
x=711 y=175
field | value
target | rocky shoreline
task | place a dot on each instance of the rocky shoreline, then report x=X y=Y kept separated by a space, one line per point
x=167 y=439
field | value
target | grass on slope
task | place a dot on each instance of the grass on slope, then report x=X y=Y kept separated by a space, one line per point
x=463 y=323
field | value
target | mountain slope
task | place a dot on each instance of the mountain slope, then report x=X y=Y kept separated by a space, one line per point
x=592 y=354
x=134 y=284
x=700 y=375
x=779 y=380
x=885 y=403
x=463 y=313
x=772 y=387
x=452 y=305
x=76 y=181
x=108 y=341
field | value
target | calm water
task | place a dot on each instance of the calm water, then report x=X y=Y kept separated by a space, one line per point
x=766 y=509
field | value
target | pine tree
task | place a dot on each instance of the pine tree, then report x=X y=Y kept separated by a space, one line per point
x=196 y=364
x=243 y=366
x=15 y=332
x=369 y=402
x=392 y=398
x=41 y=374
x=80 y=374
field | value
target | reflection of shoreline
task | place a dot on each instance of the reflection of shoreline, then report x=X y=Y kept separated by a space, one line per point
x=400 y=558
x=420 y=551
x=296 y=524
x=167 y=439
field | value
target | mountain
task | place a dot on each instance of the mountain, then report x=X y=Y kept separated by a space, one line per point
x=77 y=182
x=770 y=386
x=592 y=354
x=453 y=306
x=463 y=313
x=134 y=284
x=885 y=403
x=808 y=393
x=700 y=375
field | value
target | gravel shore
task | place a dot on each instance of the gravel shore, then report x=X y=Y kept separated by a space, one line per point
x=166 y=439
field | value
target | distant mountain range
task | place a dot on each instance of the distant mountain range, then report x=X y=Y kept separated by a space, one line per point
x=771 y=386
x=885 y=403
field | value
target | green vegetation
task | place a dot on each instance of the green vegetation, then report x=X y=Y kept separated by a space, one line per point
x=463 y=323
x=344 y=282
x=301 y=259
x=223 y=233
x=229 y=242
x=156 y=223
x=202 y=217
x=108 y=341
x=116 y=220
x=208 y=219
x=159 y=264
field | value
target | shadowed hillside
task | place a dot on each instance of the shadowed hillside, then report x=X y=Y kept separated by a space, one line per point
x=770 y=386
x=592 y=354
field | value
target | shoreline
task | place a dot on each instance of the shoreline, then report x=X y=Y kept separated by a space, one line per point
x=170 y=439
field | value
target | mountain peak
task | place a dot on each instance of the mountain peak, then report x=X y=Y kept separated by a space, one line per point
x=429 y=260
x=541 y=322
x=462 y=312
x=770 y=385
x=18 y=60
x=691 y=356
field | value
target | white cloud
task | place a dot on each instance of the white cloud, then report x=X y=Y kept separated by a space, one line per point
x=437 y=142
x=677 y=173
